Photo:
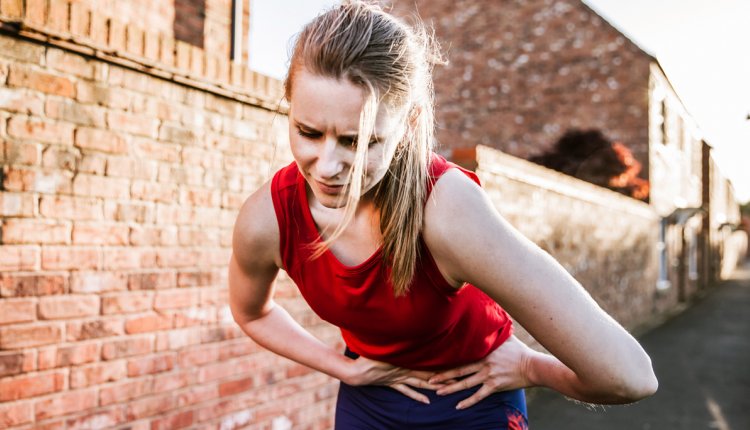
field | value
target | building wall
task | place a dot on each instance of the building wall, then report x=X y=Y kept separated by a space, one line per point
x=522 y=73
x=124 y=165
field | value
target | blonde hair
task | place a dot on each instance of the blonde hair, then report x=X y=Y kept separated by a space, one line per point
x=392 y=63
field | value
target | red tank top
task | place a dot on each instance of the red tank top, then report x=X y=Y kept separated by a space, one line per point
x=433 y=327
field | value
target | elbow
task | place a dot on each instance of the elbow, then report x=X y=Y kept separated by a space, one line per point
x=635 y=387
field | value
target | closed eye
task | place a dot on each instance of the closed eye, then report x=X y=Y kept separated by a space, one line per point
x=309 y=134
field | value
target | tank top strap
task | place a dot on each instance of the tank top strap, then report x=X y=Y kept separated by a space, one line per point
x=439 y=165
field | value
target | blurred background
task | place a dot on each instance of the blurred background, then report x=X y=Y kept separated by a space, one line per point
x=614 y=135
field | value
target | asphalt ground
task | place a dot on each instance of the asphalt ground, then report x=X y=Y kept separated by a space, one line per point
x=702 y=360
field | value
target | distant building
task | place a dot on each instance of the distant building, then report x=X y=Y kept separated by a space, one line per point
x=523 y=75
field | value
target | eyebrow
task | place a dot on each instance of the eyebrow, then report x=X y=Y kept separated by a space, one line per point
x=347 y=135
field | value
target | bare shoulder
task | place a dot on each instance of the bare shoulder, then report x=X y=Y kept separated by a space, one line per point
x=454 y=207
x=255 y=239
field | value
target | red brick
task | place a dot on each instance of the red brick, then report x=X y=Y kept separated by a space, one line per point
x=99 y=29
x=153 y=150
x=235 y=386
x=77 y=354
x=150 y=406
x=16 y=413
x=22 y=50
x=31 y=385
x=127 y=303
x=94 y=163
x=68 y=306
x=75 y=113
x=17 y=204
x=101 y=186
x=103 y=95
x=70 y=258
x=133 y=212
x=61 y=157
x=129 y=258
x=126 y=390
x=150 y=365
x=154 y=191
x=174 y=421
x=196 y=279
x=41 y=181
x=100 y=419
x=176 y=299
x=58 y=16
x=139 y=125
x=97 y=374
x=178 y=257
x=123 y=167
x=80 y=19
x=94 y=329
x=174 y=380
x=100 y=140
x=17 y=310
x=148 y=323
x=69 y=207
x=19 y=257
x=38 y=130
x=21 y=101
x=29 y=335
x=25 y=153
x=21 y=285
x=134 y=43
x=98 y=282
x=12 y=9
x=152 y=280
x=70 y=63
x=32 y=231
x=65 y=403
x=197 y=394
x=11 y=363
x=127 y=347
x=100 y=234
x=23 y=76
x=142 y=235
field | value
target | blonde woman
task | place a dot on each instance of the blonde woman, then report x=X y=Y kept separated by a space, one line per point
x=405 y=253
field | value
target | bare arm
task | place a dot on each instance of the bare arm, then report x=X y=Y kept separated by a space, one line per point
x=253 y=268
x=594 y=358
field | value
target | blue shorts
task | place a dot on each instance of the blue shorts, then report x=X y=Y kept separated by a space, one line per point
x=374 y=407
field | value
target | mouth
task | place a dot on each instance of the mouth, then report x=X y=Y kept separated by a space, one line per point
x=329 y=188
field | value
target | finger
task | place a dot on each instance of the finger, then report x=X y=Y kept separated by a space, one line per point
x=408 y=392
x=456 y=373
x=475 y=398
x=471 y=381
x=421 y=383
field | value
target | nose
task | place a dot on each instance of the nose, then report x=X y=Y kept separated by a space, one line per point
x=330 y=162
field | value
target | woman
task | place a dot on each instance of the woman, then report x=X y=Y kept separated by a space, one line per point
x=405 y=253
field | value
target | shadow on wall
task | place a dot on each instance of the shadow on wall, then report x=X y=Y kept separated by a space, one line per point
x=590 y=156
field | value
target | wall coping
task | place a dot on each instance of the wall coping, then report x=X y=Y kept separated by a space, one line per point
x=70 y=25
x=496 y=162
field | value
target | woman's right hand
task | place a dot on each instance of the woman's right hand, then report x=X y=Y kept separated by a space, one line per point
x=364 y=371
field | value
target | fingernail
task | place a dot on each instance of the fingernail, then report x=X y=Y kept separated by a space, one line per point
x=459 y=406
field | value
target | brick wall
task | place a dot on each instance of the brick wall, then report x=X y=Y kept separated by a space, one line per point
x=607 y=241
x=523 y=72
x=125 y=157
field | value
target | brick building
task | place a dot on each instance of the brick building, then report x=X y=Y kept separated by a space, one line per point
x=521 y=74
x=126 y=153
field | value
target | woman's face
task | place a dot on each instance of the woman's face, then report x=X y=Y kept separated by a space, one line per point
x=323 y=126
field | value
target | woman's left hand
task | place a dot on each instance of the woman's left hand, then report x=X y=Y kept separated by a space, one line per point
x=505 y=368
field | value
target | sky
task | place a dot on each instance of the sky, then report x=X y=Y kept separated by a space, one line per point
x=702 y=46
